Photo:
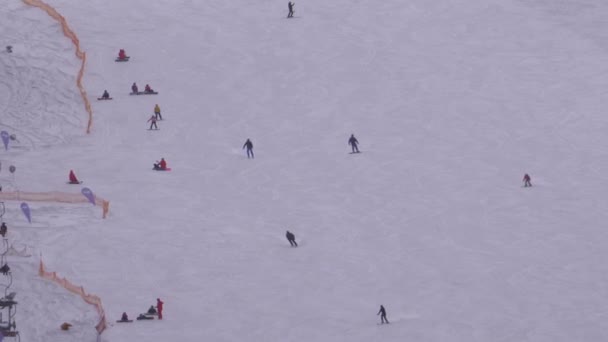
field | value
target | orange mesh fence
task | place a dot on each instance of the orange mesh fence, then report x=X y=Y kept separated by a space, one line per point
x=78 y=290
x=67 y=31
x=54 y=196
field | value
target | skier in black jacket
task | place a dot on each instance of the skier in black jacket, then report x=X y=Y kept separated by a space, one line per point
x=382 y=314
x=249 y=145
x=290 y=6
x=291 y=238
x=353 y=142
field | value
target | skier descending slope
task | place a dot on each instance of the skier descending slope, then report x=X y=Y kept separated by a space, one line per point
x=249 y=145
x=526 y=180
x=353 y=142
x=382 y=314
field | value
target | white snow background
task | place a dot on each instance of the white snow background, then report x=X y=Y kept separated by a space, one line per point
x=451 y=100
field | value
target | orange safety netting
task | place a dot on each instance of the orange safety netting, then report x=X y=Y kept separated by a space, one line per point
x=54 y=196
x=79 y=53
x=79 y=290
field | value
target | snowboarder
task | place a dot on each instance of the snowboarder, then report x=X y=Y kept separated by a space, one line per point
x=105 y=95
x=134 y=88
x=353 y=142
x=291 y=238
x=249 y=145
x=157 y=112
x=3 y=229
x=159 y=307
x=73 y=179
x=152 y=310
x=382 y=314
x=527 y=180
x=162 y=165
x=122 y=55
x=147 y=89
x=152 y=121
x=124 y=317
x=290 y=6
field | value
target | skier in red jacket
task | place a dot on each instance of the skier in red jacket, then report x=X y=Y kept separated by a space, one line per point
x=73 y=179
x=159 y=308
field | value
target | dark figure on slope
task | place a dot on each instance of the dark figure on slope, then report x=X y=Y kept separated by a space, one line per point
x=148 y=89
x=382 y=314
x=290 y=7
x=134 y=88
x=152 y=310
x=249 y=146
x=291 y=238
x=3 y=229
x=124 y=317
x=353 y=142
x=527 y=180
x=105 y=95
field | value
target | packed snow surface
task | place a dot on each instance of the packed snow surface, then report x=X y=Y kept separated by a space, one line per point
x=452 y=102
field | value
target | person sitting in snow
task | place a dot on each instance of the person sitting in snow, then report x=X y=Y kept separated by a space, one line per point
x=124 y=317
x=134 y=88
x=148 y=89
x=162 y=165
x=122 y=54
x=151 y=310
x=73 y=179
x=105 y=95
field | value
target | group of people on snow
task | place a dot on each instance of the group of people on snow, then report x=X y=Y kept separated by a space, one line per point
x=152 y=311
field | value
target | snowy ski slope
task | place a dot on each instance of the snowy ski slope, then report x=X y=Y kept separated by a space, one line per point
x=452 y=101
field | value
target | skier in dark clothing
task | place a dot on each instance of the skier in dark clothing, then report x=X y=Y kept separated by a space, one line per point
x=353 y=142
x=382 y=314
x=134 y=88
x=249 y=145
x=290 y=6
x=124 y=317
x=291 y=238
x=527 y=180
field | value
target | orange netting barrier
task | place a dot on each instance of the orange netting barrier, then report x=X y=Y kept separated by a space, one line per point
x=78 y=290
x=67 y=31
x=54 y=196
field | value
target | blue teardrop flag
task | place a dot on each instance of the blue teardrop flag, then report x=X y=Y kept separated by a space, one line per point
x=5 y=138
x=26 y=211
x=89 y=195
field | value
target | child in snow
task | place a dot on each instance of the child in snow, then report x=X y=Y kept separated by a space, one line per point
x=152 y=121
x=148 y=89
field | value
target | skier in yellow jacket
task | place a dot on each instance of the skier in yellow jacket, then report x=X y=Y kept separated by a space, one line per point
x=157 y=112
